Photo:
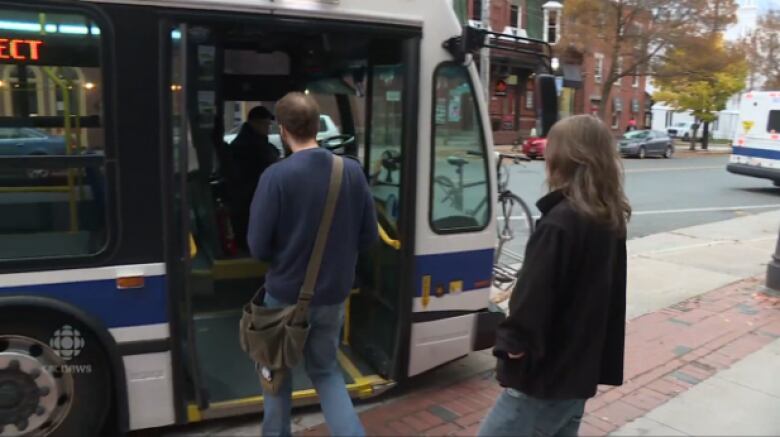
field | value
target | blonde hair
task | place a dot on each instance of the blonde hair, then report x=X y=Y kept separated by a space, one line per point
x=583 y=163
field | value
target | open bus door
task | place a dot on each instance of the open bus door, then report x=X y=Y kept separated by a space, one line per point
x=183 y=246
x=215 y=80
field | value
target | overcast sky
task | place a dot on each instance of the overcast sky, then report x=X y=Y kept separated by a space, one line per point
x=766 y=4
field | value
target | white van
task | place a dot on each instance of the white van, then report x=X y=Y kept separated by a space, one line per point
x=756 y=148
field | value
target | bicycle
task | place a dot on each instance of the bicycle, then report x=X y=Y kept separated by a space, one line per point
x=506 y=261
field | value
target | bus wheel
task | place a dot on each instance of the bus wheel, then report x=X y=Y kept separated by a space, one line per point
x=53 y=378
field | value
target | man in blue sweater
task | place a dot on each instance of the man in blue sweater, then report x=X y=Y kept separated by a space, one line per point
x=284 y=219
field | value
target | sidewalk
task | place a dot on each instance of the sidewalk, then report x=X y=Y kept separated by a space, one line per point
x=669 y=352
x=696 y=311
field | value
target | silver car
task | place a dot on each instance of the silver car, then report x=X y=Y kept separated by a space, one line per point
x=644 y=143
x=328 y=129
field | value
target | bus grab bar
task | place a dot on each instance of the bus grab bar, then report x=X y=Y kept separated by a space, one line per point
x=395 y=244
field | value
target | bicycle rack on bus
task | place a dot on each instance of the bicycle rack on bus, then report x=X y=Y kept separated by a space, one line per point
x=473 y=39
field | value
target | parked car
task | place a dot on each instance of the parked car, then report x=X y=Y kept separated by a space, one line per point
x=534 y=147
x=643 y=143
x=19 y=141
x=327 y=129
x=683 y=130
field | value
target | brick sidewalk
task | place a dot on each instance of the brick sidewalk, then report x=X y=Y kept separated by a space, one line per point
x=667 y=352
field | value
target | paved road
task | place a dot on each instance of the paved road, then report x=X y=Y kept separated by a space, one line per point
x=671 y=194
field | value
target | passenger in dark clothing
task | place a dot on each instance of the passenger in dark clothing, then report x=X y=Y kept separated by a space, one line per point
x=250 y=154
x=566 y=326
x=286 y=214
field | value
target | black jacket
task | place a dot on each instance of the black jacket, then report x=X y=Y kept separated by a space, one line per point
x=567 y=312
x=251 y=154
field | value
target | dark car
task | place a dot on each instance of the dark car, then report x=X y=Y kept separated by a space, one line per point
x=20 y=141
x=643 y=143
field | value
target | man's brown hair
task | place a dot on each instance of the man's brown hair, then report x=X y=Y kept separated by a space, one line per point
x=299 y=115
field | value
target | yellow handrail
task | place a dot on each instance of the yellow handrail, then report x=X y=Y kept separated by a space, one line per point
x=72 y=201
x=395 y=244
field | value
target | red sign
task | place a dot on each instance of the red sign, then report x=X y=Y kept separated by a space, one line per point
x=501 y=88
x=20 y=49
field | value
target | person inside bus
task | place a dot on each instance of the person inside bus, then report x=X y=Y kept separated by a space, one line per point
x=250 y=155
x=565 y=332
x=284 y=220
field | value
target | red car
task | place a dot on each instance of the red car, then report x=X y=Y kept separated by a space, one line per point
x=534 y=147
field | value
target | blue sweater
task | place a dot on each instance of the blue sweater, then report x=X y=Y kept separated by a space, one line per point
x=286 y=213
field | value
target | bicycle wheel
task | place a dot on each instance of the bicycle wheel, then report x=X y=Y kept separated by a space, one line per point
x=514 y=229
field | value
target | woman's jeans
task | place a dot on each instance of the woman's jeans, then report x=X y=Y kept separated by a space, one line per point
x=322 y=367
x=517 y=414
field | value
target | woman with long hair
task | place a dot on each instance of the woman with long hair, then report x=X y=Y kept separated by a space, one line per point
x=566 y=326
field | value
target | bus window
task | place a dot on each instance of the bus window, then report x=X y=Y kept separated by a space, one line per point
x=460 y=196
x=52 y=177
x=773 y=125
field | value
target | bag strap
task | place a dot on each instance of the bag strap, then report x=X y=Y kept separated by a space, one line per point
x=315 y=260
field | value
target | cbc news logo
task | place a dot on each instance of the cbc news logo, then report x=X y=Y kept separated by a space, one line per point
x=67 y=342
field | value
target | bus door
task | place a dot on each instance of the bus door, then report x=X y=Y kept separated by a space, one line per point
x=455 y=235
x=377 y=307
x=225 y=71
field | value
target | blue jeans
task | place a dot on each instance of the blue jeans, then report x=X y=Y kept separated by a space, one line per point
x=517 y=414
x=322 y=366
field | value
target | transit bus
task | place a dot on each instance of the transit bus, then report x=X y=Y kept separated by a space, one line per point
x=756 y=148
x=121 y=277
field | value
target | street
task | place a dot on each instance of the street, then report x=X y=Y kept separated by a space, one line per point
x=671 y=194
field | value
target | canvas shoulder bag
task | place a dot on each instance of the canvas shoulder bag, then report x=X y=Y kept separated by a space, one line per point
x=274 y=337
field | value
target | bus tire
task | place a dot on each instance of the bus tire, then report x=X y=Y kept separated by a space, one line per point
x=63 y=362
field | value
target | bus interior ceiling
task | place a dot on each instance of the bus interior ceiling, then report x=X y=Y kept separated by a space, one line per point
x=235 y=68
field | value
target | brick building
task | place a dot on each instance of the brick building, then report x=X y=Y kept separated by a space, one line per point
x=511 y=92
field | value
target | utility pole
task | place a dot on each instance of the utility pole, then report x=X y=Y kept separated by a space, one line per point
x=773 y=270
x=484 y=59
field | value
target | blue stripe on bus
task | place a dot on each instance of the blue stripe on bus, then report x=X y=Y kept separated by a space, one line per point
x=474 y=268
x=116 y=308
x=756 y=153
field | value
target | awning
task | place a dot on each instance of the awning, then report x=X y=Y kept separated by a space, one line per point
x=572 y=75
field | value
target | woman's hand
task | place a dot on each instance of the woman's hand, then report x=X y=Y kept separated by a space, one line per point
x=516 y=356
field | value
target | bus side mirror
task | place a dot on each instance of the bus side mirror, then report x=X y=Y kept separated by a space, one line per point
x=546 y=103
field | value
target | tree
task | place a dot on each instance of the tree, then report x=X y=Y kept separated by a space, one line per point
x=701 y=77
x=629 y=33
x=765 y=51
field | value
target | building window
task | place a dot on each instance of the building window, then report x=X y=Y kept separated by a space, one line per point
x=515 y=16
x=598 y=69
x=529 y=100
x=552 y=21
x=635 y=82
x=552 y=27
x=58 y=75
x=476 y=12
x=617 y=110
x=458 y=145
